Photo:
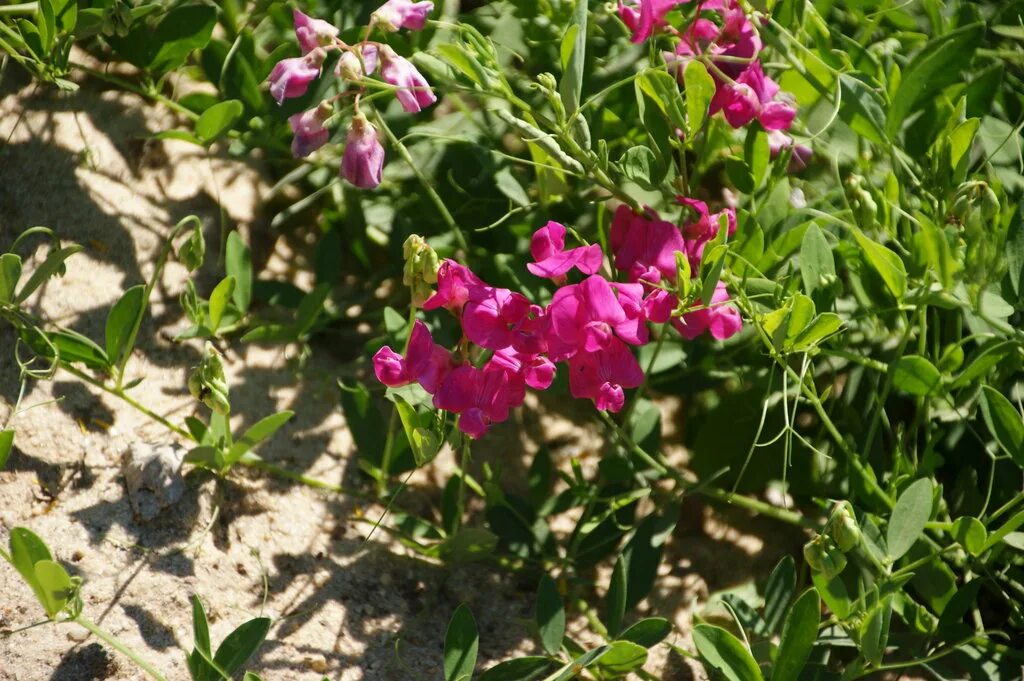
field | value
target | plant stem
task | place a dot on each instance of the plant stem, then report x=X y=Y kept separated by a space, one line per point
x=429 y=188
x=113 y=642
x=132 y=87
x=21 y=8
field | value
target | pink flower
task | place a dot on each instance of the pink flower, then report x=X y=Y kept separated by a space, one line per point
x=479 y=397
x=291 y=77
x=454 y=284
x=363 y=160
x=650 y=15
x=552 y=260
x=413 y=91
x=537 y=371
x=425 y=362
x=705 y=228
x=603 y=375
x=753 y=96
x=644 y=248
x=586 y=317
x=310 y=133
x=721 y=320
x=496 y=318
x=357 y=62
x=312 y=33
x=396 y=14
x=779 y=141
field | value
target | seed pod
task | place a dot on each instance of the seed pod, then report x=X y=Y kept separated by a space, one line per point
x=822 y=555
x=845 y=531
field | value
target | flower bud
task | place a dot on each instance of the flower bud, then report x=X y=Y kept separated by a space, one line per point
x=413 y=91
x=208 y=384
x=312 y=33
x=357 y=62
x=363 y=161
x=823 y=556
x=193 y=251
x=292 y=77
x=421 y=266
x=396 y=14
x=845 y=531
x=309 y=130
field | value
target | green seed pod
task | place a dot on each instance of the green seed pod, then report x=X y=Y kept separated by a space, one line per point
x=822 y=555
x=845 y=531
x=989 y=203
x=208 y=384
x=814 y=554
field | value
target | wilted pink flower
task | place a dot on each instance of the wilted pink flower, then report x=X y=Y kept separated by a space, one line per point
x=310 y=133
x=603 y=375
x=413 y=91
x=425 y=362
x=552 y=260
x=721 y=320
x=642 y=17
x=291 y=77
x=363 y=160
x=779 y=141
x=454 y=284
x=585 y=317
x=357 y=62
x=312 y=33
x=480 y=397
x=396 y=14
x=644 y=248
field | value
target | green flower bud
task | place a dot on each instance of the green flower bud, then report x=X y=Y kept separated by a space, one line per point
x=421 y=266
x=822 y=555
x=845 y=531
x=207 y=383
x=193 y=251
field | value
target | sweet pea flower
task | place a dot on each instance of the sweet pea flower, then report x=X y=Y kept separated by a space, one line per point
x=496 y=318
x=603 y=375
x=644 y=248
x=309 y=130
x=586 y=317
x=720 y=320
x=552 y=260
x=312 y=33
x=425 y=362
x=397 y=14
x=363 y=160
x=753 y=96
x=536 y=370
x=642 y=17
x=413 y=93
x=697 y=233
x=291 y=77
x=455 y=282
x=479 y=397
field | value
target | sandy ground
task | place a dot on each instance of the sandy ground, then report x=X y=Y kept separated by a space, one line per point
x=342 y=607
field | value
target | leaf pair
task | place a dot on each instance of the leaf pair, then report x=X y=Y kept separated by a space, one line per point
x=234 y=651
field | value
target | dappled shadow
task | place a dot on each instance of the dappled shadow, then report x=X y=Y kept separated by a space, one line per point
x=87 y=663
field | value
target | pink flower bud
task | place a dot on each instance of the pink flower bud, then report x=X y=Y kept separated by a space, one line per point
x=291 y=77
x=310 y=133
x=414 y=91
x=358 y=62
x=363 y=160
x=396 y=14
x=312 y=33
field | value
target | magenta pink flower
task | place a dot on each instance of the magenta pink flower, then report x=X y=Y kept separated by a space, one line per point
x=291 y=77
x=363 y=160
x=396 y=14
x=603 y=375
x=645 y=248
x=722 y=321
x=491 y=316
x=642 y=17
x=310 y=133
x=552 y=260
x=425 y=362
x=312 y=33
x=753 y=96
x=536 y=370
x=455 y=282
x=479 y=397
x=697 y=233
x=413 y=93
x=586 y=317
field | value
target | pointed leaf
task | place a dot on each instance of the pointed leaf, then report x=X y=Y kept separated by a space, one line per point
x=461 y=643
x=909 y=516
x=725 y=654
x=241 y=643
x=121 y=322
x=550 y=614
x=1004 y=422
x=798 y=636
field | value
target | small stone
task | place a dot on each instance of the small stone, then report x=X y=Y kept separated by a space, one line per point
x=153 y=477
x=78 y=634
x=316 y=664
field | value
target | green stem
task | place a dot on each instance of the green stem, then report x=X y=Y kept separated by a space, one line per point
x=427 y=186
x=21 y=8
x=132 y=87
x=116 y=644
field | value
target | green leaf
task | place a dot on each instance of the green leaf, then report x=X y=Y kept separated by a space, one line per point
x=257 y=433
x=615 y=599
x=932 y=69
x=834 y=593
x=778 y=592
x=700 y=88
x=424 y=443
x=27 y=549
x=468 y=544
x=1015 y=250
x=240 y=644
x=969 y=533
x=725 y=654
x=200 y=626
x=888 y=265
x=519 y=669
x=820 y=328
x=52 y=266
x=640 y=165
x=10 y=272
x=218 y=119
x=550 y=615
x=6 y=444
x=238 y=264
x=166 y=45
x=648 y=632
x=121 y=322
x=1009 y=526
x=663 y=90
x=874 y=633
x=798 y=636
x=584 y=661
x=461 y=643
x=54 y=585
x=916 y=375
x=1004 y=422
x=219 y=298
x=508 y=185
x=623 y=657
x=817 y=265
x=862 y=108
x=912 y=511
x=570 y=87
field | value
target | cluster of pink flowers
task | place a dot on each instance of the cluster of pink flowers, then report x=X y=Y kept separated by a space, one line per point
x=363 y=158
x=589 y=325
x=723 y=36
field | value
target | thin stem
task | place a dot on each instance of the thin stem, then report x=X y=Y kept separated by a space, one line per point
x=116 y=644
x=21 y=8
x=132 y=87
x=427 y=186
